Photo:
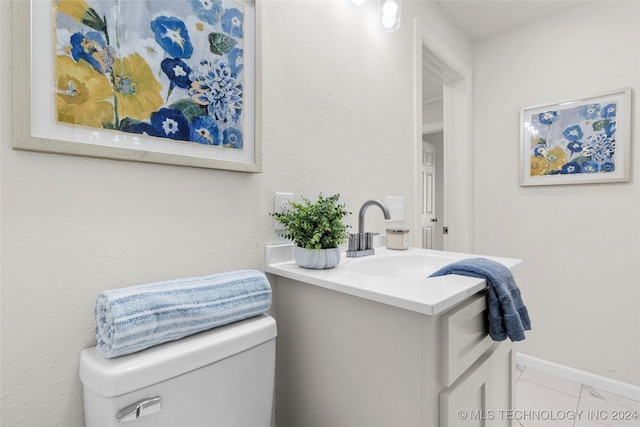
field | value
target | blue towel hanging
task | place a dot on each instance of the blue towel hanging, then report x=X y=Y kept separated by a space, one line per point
x=508 y=316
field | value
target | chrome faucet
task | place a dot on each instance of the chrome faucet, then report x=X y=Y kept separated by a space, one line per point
x=361 y=244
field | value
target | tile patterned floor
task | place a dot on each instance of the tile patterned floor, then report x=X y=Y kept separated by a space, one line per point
x=544 y=400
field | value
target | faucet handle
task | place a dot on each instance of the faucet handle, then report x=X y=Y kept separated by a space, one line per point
x=365 y=241
x=360 y=244
x=369 y=237
x=353 y=242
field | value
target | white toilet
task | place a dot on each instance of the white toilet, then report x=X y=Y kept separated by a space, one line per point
x=222 y=377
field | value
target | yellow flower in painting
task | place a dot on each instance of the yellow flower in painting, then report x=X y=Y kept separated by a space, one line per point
x=137 y=90
x=74 y=8
x=81 y=12
x=557 y=158
x=539 y=166
x=84 y=96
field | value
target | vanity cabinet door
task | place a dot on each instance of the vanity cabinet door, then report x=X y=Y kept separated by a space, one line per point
x=484 y=394
x=465 y=336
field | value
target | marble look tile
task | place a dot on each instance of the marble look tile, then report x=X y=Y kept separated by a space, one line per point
x=551 y=381
x=601 y=408
x=541 y=406
x=590 y=393
x=582 y=406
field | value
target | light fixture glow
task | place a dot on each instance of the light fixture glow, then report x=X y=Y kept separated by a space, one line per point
x=389 y=8
x=389 y=15
x=388 y=21
x=355 y=3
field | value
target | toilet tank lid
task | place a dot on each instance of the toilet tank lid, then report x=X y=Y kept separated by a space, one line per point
x=113 y=377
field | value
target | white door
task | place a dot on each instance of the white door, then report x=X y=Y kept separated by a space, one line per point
x=429 y=220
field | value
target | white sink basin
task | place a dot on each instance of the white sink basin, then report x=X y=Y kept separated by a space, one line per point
x=396 y=278
x=401 y=265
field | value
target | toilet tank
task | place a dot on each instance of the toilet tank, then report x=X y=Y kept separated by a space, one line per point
x=221 y=377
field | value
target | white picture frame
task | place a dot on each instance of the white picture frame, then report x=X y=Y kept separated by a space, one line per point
x=583 y=141
x=36 y=127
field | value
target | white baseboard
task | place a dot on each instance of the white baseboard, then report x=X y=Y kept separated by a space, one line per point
x=620 y=388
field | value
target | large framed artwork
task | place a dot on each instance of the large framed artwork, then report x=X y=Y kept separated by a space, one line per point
x=163 y=81
x=577 y=142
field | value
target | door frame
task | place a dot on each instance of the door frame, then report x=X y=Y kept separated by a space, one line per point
x=430 y=51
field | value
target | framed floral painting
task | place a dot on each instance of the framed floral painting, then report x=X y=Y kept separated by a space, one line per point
x=163 y=81
x=577 y=142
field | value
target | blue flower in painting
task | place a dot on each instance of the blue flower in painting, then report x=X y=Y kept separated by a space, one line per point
x=571 y=167
x=214 y=86
x=204 y=130
x=608 y=167
x=590 y=166
x=207 y=10
x=548 y=118
x=92 y=48
x=232 y=137
x=599 y=147
x=172 y=35
x=540 y=150
x=610 y=128
x=575 y=146
x=590 y=112
x=177 y=71
x=609 y=111
x=232 y=22
x=235 y=58
x=573 y=133
x=134 y=126
x=170 y=123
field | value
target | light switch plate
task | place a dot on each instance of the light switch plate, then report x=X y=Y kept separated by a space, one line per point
x=396 y=207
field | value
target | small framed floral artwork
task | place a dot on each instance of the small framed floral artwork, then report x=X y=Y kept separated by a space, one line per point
x=163 y=81
x=577 y=142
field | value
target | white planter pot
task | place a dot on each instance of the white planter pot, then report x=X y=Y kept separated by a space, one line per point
x=317 y=259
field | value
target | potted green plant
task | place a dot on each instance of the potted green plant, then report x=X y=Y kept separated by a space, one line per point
x=316 y=229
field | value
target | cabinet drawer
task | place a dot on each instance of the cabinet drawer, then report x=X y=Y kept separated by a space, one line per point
x=464 y=336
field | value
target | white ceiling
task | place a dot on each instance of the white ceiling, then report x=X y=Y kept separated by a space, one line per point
x=481 y=18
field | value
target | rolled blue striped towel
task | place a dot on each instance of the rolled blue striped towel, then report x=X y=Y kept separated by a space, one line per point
x=137 y=317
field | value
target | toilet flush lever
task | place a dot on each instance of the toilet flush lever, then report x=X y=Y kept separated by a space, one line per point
x=139 y=409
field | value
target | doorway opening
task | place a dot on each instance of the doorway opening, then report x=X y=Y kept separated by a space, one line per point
x=443 y=188
x=432 y=192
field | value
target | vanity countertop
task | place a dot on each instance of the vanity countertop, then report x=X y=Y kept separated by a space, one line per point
x=421 y=294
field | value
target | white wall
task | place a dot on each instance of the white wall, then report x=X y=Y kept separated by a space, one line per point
x=580 y=243
x=338 y=106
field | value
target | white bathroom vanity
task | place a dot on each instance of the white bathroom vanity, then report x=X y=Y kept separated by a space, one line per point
x=373 y=342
